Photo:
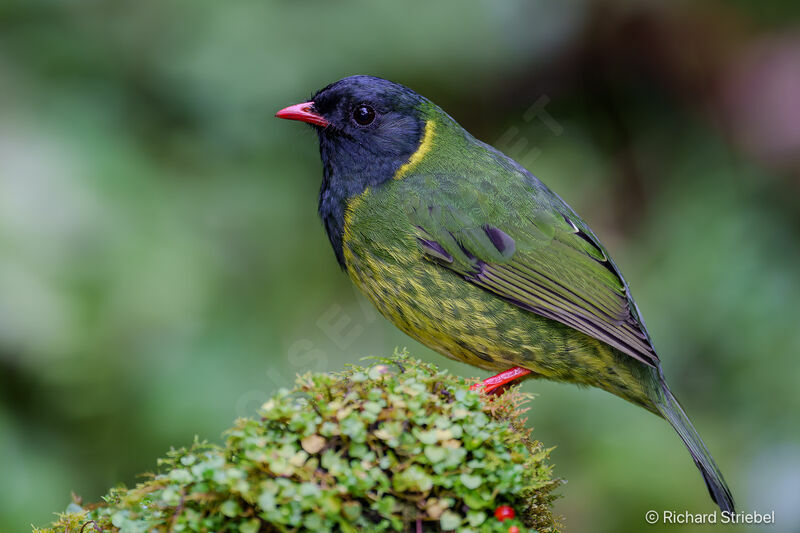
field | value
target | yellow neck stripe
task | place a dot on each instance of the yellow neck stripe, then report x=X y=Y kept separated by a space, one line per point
x=351 y=206
x=416 y=157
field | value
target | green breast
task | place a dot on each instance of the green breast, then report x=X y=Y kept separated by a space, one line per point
x=439 y=308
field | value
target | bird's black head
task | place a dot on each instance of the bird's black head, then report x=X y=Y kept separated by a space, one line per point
x=368 y=128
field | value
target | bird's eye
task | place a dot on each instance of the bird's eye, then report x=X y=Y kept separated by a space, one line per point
x=363 y=114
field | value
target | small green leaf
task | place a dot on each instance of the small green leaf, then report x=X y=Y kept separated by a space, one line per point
x=230 y=508
x=351 y=510
x=476 y=518
x=470 y=481
x=266 y=501
x=435 y=454
x=250 y=526
x=449 y=521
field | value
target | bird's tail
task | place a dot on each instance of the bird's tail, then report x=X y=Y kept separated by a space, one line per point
x=670 y=409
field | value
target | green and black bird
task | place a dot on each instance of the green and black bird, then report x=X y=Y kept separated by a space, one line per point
x=466 y=251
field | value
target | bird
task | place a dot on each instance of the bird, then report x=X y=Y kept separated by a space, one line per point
x=466 y=251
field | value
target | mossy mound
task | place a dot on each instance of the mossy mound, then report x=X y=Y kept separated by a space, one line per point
x=395 y=446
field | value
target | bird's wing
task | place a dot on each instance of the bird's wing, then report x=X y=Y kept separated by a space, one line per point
x=523 y=243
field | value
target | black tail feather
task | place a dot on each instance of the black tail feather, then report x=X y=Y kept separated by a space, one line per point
x=669 y=407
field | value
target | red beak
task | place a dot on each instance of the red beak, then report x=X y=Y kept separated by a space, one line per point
x=302 y=112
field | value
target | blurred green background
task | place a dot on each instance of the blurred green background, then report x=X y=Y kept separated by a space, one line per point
x=163 y=270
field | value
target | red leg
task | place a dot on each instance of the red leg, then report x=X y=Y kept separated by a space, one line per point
x=507 y=376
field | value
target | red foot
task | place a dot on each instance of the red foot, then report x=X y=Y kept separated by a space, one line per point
x=507 y=376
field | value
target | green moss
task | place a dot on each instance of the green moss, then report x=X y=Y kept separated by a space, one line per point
x=368 y=449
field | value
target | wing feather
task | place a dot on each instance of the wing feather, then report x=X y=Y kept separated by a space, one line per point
x=554 y=269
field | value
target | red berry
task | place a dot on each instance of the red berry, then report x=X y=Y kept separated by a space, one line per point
x=504 y=512
x=513 y=529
